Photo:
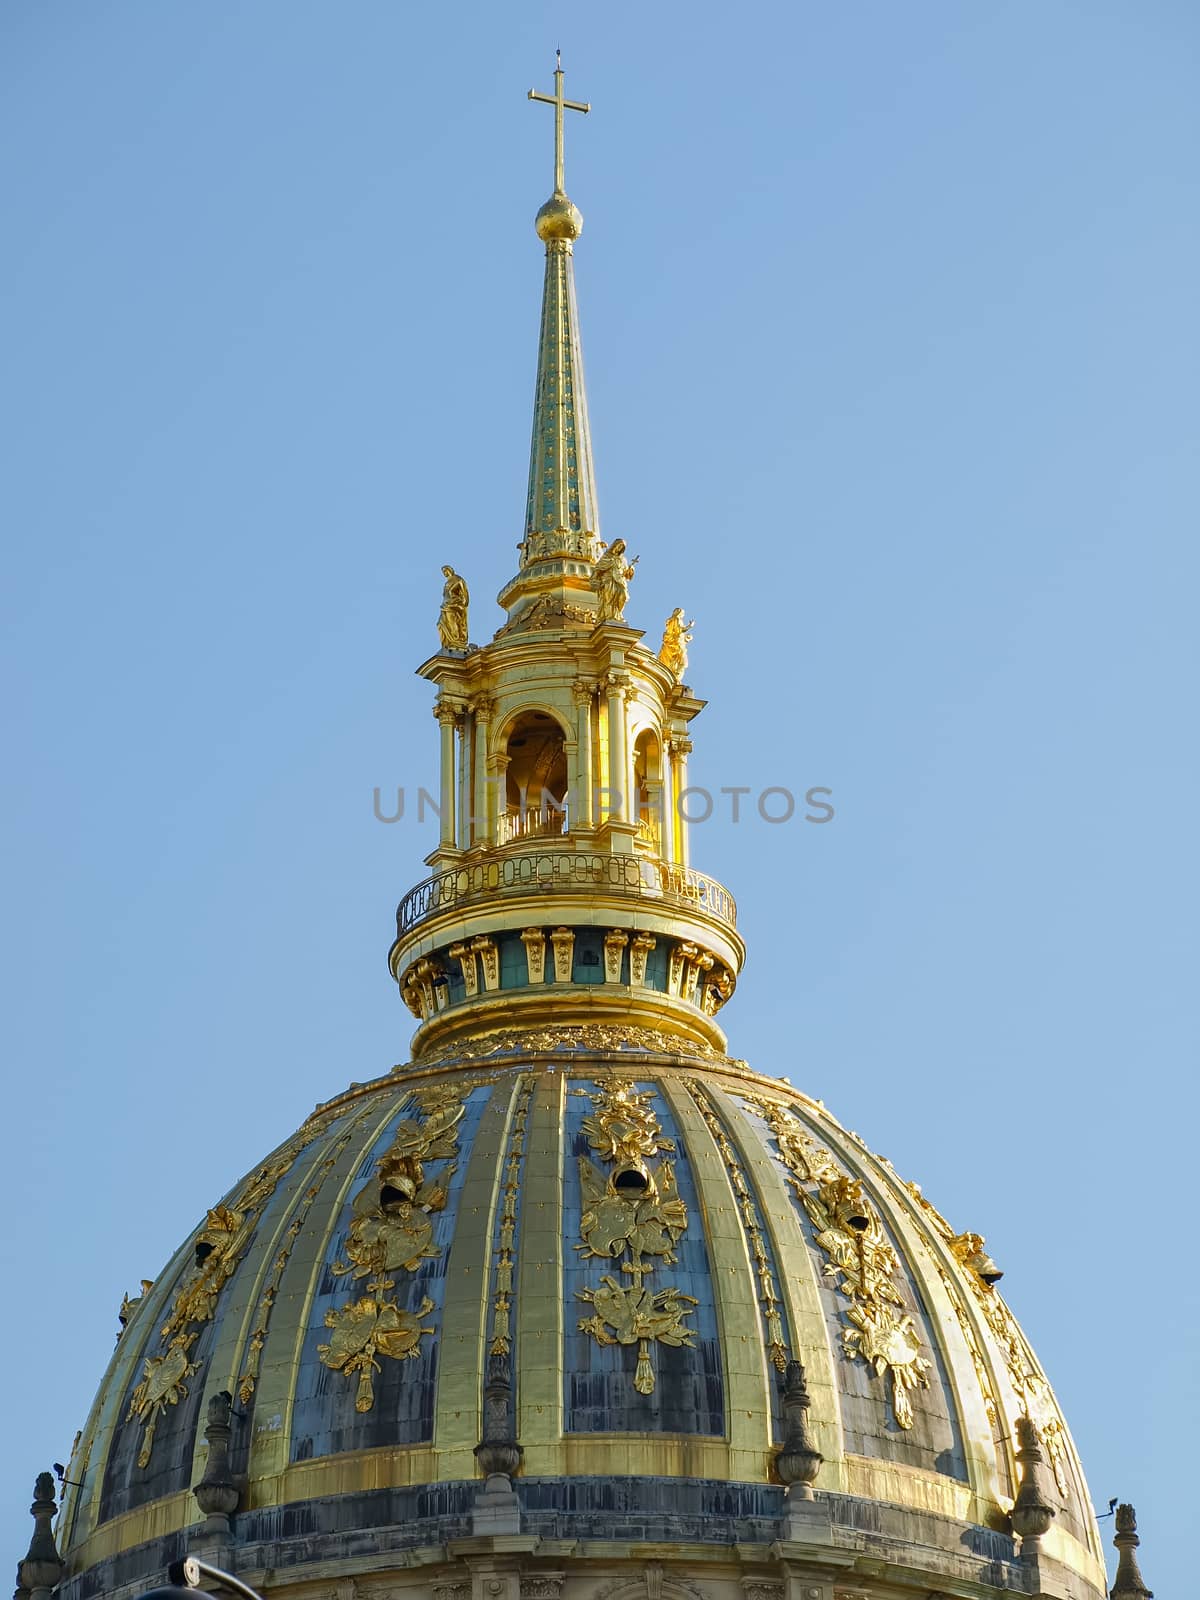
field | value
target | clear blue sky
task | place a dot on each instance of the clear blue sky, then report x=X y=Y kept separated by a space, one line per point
x=891 y=323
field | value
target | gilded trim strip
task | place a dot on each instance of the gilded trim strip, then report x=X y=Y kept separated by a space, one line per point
x=764 y=1264
x=539 y=1282
x=271 y=1441
x=798 y=1282
x=461 y=1343
x=747 y=1399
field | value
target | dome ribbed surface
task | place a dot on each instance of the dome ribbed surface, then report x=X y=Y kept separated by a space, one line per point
x=648 y=1238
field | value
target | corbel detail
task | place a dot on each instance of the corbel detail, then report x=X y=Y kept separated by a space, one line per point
x=534 y=941
x=465 y=956
x=485 y=945
x=563 y=941
x=614 y=943
x=639 y=948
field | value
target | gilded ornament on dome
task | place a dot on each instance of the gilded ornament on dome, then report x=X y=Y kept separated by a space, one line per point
x=623 y=1126
x=391 y=1231
x=501 y=1340
x=764 y=1270
x=391 y=1228
x=163 y=1384
x=859 y=1256
x=632 y=1212
x=633 y=1314
x=572 y=1037
x=220 y=1246
x=373 y=1325
x=647 y=1224
x=1033 y=1393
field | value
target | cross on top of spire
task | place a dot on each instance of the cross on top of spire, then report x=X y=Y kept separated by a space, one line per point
x=560 y=105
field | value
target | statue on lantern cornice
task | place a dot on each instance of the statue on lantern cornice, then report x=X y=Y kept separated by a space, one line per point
x=611 y=579
x=452 y=619
x=676 y=638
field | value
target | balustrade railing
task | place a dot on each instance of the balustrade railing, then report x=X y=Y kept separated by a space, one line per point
x=550 y=871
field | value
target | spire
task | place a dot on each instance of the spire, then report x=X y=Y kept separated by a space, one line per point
x=1129 y=1584
x=561 y=516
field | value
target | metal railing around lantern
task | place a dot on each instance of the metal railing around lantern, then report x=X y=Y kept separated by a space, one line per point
x=555 y=871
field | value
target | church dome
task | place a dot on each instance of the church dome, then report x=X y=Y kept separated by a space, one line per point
x=649 y=1235
x=574 y=1305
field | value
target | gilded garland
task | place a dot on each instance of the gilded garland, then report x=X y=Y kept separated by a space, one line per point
x=501 y=1341
x=631 y=1212
x=859 y=1257
x=391 y=1231
x=768 y=1295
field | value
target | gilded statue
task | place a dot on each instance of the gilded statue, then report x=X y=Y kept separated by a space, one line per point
x=676 y=638
x=452 y=619
x=610 y=579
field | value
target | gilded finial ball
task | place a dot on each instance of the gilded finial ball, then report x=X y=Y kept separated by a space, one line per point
x=559 y=219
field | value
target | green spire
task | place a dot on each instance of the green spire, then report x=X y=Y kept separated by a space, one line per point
x=561 y=516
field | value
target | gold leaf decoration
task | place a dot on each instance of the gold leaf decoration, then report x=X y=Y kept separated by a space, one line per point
x=390 y=1228
x=373 y=1325
x=391 y=1231
x=768 y=1294
x=222 y=1242
x=859 y=1257
x=1033 y=1393
x=501 y=1342
x=632 y=1211
x=163 y=1384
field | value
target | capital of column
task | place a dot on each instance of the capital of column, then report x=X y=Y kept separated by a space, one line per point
x=447 y=712
x=582 y=692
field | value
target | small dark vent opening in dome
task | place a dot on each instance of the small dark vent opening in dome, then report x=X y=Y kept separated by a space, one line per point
x=630 y=1180
x=203 y=1251
x=390 y=1196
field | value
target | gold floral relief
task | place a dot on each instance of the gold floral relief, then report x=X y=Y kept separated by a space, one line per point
x=631 y=1212
x=373 y=1325
x=571 y=1037
x=501 y=1340
x=248 y=1380
x=391 y=1230
x=859 y=1257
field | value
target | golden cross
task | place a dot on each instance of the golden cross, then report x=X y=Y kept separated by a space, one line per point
x=560 y=105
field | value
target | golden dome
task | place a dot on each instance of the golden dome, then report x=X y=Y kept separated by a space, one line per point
x=649 y=1234
x=559 y=218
